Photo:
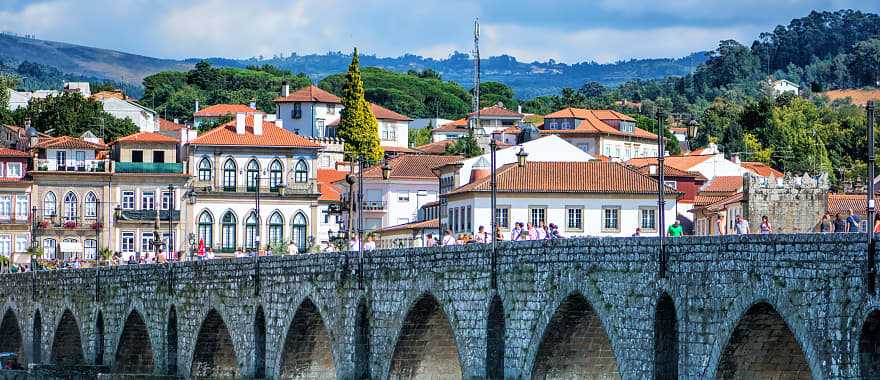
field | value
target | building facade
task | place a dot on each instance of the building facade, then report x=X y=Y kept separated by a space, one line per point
x=15 y=205
x=601 y=132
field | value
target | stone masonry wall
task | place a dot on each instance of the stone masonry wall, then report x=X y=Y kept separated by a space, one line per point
x=598 y=296
x=793 y=204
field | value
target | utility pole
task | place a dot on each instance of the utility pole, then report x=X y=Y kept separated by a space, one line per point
x=872 y=273
x=476 y=98
x=661 y=201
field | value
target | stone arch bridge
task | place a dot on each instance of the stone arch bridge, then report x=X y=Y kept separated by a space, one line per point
x=757 y=307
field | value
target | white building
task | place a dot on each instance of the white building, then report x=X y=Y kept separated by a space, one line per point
x=450 y=131
x=492 y=119
x=432 y=122
x=219 y=111
x=144 y=118
x=589 y=199
x=782 y=86
x=709 y=162
x=234 y=161
x=411 y=184
x=19 y=99
x=601 y=132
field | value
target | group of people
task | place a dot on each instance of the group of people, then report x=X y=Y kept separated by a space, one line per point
x=519 y=232
x=837 y=223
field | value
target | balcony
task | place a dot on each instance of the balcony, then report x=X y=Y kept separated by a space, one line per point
x=374 y=205
x=74 y=223
x=14 y=219
x=83 y=166
x=147 y=215
x=148 y=167
x=294 y=188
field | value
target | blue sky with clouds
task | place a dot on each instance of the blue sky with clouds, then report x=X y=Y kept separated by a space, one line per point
x=564 y=30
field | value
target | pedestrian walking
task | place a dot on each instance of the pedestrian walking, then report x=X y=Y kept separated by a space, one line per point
x=825 y=225
x=498 y=235
x=370 y=245
x=448 y=239
x=532 y=233
x=765 y=227
x=541 y=230
x=876 y=223
x=839 y=224
x=741 y=227
x=853 y=222
x=429 y=241
x=482 y=235
x=675 y=230
x=516 y=232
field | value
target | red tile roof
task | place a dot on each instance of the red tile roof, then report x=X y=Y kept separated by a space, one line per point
x=594 y=122
x=761 y=169
x=68 y=142
x=310 y=93
x=412 y=166
x=724 y=184
x=223 y=110
x=567 y=177
x=841 y=203
x=435 y=147
x=110 y=95
x=273 y=136
x=460 y=125
x=383 y=113
x=165 y=125
x=6 y=152
x=496 y=111
x=326 y=178
x=146 y=137
x=705 y=200
x=723 y=203
x=399 y=150
x=685 y=163
x=669 y=171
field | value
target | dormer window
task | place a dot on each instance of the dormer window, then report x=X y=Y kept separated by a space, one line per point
x=627 y=126
x=566 y=124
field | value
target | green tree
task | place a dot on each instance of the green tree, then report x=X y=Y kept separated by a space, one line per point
x=756 y=151
x=650 y=124
x=717 y=118
x=465 y=146
x=71 y=114
x=864 y=62
x=358 y=126
x=801 y=146
x=420 y=136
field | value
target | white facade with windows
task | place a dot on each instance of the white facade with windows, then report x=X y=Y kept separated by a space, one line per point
x=575 y=214
x=311 y=119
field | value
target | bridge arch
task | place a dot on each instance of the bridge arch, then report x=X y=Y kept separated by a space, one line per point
x=307 y=350
x=134 y=349
x=869 y=346
x=426 y=346
x=214 y=353
x=37 y=337
x=11 y=338
x=754 y=333
x=67 y=341
x=171 y=342
x=99 y=340
x=362 y=340
x=496 y=338
x=665 y=339
x=572 y=341
x=259 y=343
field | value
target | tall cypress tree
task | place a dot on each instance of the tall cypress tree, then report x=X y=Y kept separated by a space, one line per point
x=358 y=126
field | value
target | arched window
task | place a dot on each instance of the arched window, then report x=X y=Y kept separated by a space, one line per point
x=276 y=229
x=298 y=232
x=49 y=249
x=229 y=175
x=205 y=169
x=227 y=234
x=206 y=229
x=251 y=228
x=275 y=175
x=90 y=249
x=91 y=206
x=49 y=203
x=70 y=206
x=253 y=175
x=301 y=172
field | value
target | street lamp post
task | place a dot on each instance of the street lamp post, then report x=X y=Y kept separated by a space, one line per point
x=872 y=273
x=493 y=147
x=661 y=202
x=386 y=174
x=170 y=221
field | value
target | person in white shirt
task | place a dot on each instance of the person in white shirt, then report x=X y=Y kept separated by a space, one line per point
x=516 y=233
x=448 y=239
x=354 y=244
x=429 y=241
x=482 y=236
x=370 y=245
x=542 y=230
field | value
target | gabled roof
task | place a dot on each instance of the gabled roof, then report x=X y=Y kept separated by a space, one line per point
x=761 y=169
x=845 y=202
x=110 y=95
x=383 y=113
x=685 y=163
x=594 y=122
x=146 y=137
x=310 y=93
x=326 y=178
x=497 y=111
x=273 y=136
x=68 y=142
x=399 y=150
x=417 y=225
x=412 y=166
x=169 y=126
x=223 y=110
x=460 y=125
x=723 y=203
x=437 y=147
x=724 y=184
x=669 y=171
x=567 y=177
x=6 y=152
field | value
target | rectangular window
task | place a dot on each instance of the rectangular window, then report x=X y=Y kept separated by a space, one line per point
x=137 y=156
x=128 y=200
x=331 y=109
x=61 y=159
x=6 y=245
x=13 y=170
x=80 y=157
x=403 y=196
x=5 y=207
x=21 y=243
x=126 y=244
x=469 y=217
x=49 y=247
x=575 y=218
x=21 y=207
x=671 y=184
x=148 y=200
x=296 y=111
x=166 y=200
x=502 y=217
x=167 y=241
x=537 y=215
x=648 y=219
x=610 y=219
x=319 y=126
x=90 y=249
x=159 y=156
x=146 y=241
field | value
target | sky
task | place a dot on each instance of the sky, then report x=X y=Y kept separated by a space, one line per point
x=566 y=31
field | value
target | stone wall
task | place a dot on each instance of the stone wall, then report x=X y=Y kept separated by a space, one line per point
x=774 y=306
x=793 y=204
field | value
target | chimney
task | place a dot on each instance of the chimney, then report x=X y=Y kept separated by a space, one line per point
x=258 y=124
x=735 y=158
x=481 y=172
x=239 y=123
x=176 y=121
x=254 y=103
x=285 y=89
x=519 y=109
x=279 y=123
x=197 y=105
x=652 y=170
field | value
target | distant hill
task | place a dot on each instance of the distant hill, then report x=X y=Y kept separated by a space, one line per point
x=528 y=79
